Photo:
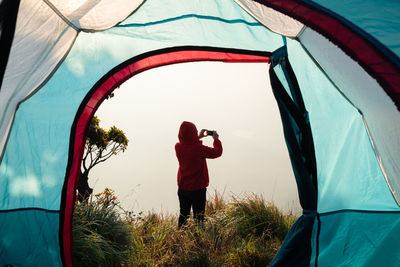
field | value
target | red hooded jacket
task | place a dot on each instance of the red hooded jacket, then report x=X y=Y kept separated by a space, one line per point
x=192 y=154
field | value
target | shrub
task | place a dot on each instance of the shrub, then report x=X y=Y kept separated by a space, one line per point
x=101 y=237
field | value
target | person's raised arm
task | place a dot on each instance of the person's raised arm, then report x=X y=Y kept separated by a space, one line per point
x=216 y=150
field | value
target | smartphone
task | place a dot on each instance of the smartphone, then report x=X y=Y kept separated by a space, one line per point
x=210 y=132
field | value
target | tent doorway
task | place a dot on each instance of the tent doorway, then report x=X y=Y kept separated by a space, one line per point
x=234 y=99
x=114 y=79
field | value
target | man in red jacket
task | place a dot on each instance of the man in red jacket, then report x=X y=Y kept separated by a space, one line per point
x=193 y=173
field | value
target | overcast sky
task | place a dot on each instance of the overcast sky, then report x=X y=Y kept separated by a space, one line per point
x=235 y=99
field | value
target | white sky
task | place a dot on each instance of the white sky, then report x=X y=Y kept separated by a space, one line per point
x=233 y=98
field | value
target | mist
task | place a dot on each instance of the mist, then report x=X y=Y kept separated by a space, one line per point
x=235 y=99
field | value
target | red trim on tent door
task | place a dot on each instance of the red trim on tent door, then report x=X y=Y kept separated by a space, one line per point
x=98 y=94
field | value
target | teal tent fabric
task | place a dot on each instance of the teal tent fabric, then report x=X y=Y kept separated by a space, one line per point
x=29 y=238
x=348 y=170
x=358 y=238
x=350 y=215
x=353 y=185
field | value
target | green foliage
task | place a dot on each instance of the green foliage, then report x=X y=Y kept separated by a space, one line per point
x=101 y=144
x=99 y=137
x=96 y=136
x=101 y=237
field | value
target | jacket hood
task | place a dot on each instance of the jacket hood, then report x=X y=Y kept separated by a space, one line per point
x=188 y=133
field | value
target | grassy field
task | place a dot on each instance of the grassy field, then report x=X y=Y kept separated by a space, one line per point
x=236 y=232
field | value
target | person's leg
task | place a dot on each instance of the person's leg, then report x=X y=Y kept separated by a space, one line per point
x=199 y=204
x=184 y=205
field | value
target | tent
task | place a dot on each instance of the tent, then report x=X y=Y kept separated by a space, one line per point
x=334 y=70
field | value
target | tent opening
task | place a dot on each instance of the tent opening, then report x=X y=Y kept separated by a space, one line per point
x=234 y=99
x=114 y=79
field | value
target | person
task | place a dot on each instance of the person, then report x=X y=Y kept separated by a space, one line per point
x=193 y=176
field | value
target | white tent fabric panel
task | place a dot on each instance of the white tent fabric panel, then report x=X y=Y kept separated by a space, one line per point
x=95 y=14
x=381 y=115
x=273 y=20
x=41 y=41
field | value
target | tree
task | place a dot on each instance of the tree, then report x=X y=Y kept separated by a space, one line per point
x=100 y=146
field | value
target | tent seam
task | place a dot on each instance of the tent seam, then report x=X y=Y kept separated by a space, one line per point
x=31 y=208
x=58 y=12
x=327 y=76
x=117 y=23
x=358 y=211
x=379 y=159
x=254 y=17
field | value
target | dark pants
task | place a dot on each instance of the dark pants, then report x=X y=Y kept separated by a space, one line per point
x=191 y=199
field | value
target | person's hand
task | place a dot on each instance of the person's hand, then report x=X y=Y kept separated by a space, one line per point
x=201 y=134
x=215 y=135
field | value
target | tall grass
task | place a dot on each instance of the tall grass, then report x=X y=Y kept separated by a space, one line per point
x=101 y=237
x=239 y=232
